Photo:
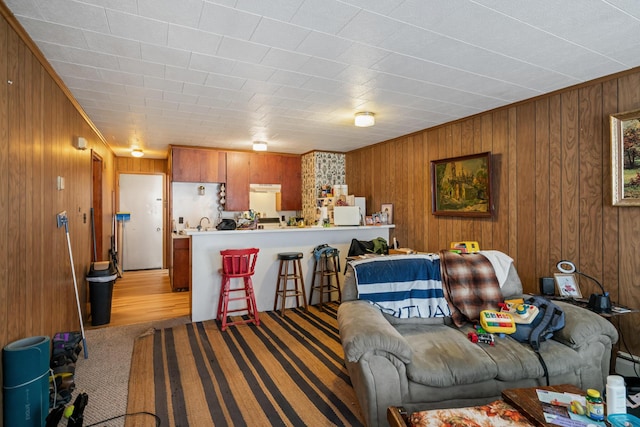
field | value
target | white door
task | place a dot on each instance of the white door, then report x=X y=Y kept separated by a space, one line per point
x=141 y=196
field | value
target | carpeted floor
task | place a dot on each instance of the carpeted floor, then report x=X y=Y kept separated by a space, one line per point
x=104 y=376
x=287 y=371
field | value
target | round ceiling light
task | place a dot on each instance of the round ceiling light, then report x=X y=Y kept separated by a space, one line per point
x=365 y=119
x=137 y=152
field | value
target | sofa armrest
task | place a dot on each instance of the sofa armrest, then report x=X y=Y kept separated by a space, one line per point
x=583 y=326
x=364 y=329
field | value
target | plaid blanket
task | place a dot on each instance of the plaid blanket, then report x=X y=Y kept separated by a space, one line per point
x=470 y=285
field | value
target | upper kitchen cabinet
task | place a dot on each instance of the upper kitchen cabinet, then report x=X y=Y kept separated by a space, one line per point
x=238 y=181
x=198 y=165
x=263 y=168
x=291 y=181
x=268 y=168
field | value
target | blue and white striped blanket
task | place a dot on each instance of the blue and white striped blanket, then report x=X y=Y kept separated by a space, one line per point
x=402 y=286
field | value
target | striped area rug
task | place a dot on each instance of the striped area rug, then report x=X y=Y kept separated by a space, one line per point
x=286 y=372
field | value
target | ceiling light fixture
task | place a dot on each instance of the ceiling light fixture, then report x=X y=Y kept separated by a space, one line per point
x=259 y=146
x=137 y=152
x=365 y=119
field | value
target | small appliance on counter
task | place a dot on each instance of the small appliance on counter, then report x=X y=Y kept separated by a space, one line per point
x=346 y=215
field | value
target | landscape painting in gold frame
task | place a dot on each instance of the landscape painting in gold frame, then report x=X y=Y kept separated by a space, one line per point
x=625 y=158
x=461 y=186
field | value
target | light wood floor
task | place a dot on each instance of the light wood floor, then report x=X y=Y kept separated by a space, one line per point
x=143 y=296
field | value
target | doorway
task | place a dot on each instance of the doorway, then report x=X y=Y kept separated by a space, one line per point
x=141 y=235
x=96 y=206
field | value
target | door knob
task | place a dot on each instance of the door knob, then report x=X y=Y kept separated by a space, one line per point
x=158 y=229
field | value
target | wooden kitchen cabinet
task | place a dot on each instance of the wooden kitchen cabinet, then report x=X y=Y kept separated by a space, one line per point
x=291 y=181
x=237 y=181
x=263 y=168
x=198 y=165
x=181 y=264
x=238 y=169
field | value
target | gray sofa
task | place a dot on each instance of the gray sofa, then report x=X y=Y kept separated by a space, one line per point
x=430 y=363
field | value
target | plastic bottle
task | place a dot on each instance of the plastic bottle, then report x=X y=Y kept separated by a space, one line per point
x=616 y=395
x=595 y=407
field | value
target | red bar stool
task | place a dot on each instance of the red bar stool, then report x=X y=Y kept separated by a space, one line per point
x=238 y=263
x=282 y=286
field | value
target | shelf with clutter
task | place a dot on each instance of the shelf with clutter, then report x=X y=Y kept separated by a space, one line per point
x=350 y=209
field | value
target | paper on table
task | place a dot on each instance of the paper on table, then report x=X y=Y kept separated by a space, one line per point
x=552 y=415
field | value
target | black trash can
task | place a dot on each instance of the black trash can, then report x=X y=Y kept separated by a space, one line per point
x=101 y=277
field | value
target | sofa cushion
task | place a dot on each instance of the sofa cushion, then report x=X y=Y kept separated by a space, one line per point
x=443 y=356
x=512 y=285
x=517 y=361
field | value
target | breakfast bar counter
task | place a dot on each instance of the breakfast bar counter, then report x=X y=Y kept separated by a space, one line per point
x=206 y=259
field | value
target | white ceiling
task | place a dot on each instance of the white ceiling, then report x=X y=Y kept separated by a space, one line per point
x=293 y=72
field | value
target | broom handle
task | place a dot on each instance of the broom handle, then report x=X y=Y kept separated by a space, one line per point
x=75 y=287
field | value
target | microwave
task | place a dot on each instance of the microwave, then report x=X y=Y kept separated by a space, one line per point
x=346 y=215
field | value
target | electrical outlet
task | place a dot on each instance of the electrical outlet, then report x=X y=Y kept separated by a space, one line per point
x=61 y=218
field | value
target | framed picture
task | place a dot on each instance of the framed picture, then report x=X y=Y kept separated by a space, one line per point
x=625 y=158
x=461 y=186
x=567 y=285
x=368 y=220
x=387 y=208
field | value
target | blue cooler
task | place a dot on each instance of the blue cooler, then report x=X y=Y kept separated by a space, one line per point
x=26 y=382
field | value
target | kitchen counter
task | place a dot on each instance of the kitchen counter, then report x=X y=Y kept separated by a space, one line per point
x=277 y=229
x=206 y=260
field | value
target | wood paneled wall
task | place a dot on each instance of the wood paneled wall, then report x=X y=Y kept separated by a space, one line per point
x=551 y=183
x=38 y=126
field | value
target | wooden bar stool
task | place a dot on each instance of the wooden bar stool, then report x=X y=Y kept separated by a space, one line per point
x=326 y=266
x=282 y=286
x=238 y=263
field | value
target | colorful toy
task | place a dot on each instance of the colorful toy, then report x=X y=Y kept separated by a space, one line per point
x=522 y=313
x=465 y=247
x=475 y=338
x=496 y=322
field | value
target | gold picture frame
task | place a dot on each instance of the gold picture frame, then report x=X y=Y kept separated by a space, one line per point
x=625 y=158
x=461 y=186
x=567 y=285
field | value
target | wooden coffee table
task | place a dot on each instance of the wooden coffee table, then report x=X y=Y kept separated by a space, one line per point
x=525 y=400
